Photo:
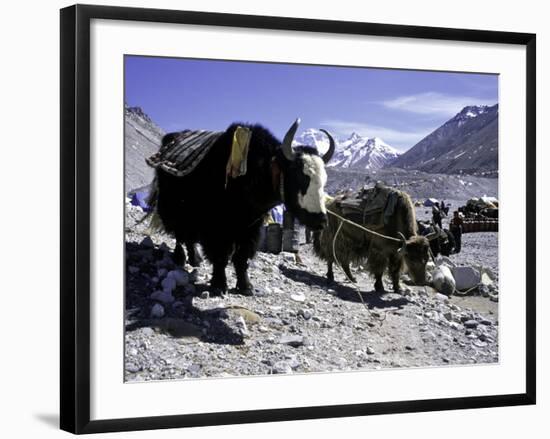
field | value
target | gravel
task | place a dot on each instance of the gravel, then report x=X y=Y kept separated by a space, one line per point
x=298 y=324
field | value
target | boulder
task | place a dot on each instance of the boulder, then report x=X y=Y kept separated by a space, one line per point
x=466 y=277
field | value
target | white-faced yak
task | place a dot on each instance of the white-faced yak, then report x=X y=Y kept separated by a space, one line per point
x=224 y=213
x=387 y=211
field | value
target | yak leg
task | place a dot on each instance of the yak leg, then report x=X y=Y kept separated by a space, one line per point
x=376 y=264
x=179 y=254
x=345 y=267
x=218 y=283
x=395 y=268
x=193 y=255
x=240 y=262
x=245 y=250
x=330 y=273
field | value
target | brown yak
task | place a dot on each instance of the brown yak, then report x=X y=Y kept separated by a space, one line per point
x=387 y=211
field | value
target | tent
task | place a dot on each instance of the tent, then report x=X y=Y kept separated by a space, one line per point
x=139 y=198
x=430 y=202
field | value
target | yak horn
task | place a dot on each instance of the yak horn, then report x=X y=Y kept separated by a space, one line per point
x=404 y=244
x=287 y=141
x=331 y=147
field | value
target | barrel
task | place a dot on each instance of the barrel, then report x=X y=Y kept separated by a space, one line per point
x=274 y=238
x=262 y=242
x=291 y=240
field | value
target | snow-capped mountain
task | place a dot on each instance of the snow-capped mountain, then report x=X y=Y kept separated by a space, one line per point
x=466 y=143
x=355 y=152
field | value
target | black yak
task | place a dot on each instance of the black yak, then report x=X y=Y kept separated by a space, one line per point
x=442 y=241
x=225 y=214
x=390 y=213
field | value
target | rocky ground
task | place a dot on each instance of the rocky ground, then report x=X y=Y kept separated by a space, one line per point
x=295 y=323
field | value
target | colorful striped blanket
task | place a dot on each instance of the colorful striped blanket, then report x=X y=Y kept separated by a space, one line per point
x=184 y=151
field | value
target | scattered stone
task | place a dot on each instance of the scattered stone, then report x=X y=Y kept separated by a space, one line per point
x=147 y=242
x=241 y=325
x=451 y=316
x=147 y=331
x=471 y=324
x=298 y=297
x=455 y=325
x=370 y=350
x=157 y=311
x=441 y=297
x=163 y=296
x=306 y=313
x=133 y=269
x=132 y=368
x=168 y=284
x=289 y=257
x=180 y=277
x=194 y=368
x=281 y=367
x=484 y=290
x=292 y=340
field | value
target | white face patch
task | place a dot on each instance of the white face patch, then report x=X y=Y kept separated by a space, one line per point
x=314 y=199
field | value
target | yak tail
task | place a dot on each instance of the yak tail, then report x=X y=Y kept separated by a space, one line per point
x=155 y=222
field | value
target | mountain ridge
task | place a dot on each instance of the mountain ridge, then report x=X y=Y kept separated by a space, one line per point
x=466 y=143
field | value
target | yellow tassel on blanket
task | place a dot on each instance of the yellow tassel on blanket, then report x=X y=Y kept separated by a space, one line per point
x=236 y=165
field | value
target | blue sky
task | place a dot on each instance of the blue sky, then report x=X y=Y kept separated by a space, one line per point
x=399 y=106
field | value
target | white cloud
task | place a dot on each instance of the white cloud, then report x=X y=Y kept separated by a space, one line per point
x=400 y=140
x=432 y=103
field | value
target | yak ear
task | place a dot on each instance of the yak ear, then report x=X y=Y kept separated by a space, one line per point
x=287 y=141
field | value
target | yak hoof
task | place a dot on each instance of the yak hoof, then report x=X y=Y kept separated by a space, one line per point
x=217 y=289
x=247 y=291
x=379 y=288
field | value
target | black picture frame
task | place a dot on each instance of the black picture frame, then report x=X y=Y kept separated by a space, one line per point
x=75 y=217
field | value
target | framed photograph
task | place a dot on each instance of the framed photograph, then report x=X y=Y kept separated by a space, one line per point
x=275 y=218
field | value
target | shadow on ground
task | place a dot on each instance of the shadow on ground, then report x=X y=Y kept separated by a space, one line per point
x=372 y=299
x=183 y=321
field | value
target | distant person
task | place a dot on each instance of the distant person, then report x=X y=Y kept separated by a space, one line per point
x=436 y=215
x=456 y=230
x=444 y=208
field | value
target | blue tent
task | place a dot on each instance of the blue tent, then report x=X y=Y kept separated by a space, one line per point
x=139 y=198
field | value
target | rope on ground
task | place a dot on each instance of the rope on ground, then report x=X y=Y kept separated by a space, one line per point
x=353 y=283
x=465 y=293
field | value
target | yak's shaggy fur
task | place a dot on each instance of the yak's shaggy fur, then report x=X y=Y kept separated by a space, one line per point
x=225 y=214
x=353 y=245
